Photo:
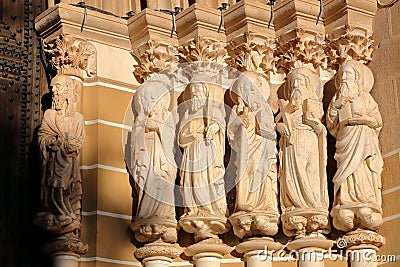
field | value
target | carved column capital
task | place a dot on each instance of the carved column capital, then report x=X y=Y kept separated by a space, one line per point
x=70 y=56
x=158 y=249
x=306 y=49
x=65 y=245
x=252 y=53
x=203 y=49
x=355 y=43
x=153 y=57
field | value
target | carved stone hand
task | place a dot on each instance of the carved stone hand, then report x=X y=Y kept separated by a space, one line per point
x=282 y=129
x=212 y=130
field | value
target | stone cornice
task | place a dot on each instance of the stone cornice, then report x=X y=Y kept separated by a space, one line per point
x=67 y=19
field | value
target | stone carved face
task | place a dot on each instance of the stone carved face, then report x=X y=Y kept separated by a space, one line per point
x=199 y=94
x=348 y=81
x=149 y=101
x=61 y=92
x=152 y=97
x=299 y=88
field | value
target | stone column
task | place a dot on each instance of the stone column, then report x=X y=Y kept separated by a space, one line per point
x=311 y=250
x=258 y=252
x=65 y=260
x=208 y=253
x=362 y=257
x=361 y=247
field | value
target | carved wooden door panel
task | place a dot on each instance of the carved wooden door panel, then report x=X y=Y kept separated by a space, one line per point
x=22 y=83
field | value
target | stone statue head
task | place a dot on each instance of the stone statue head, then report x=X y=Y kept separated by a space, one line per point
x=64 y=94
x=198 y=91
x=252 y=88
x=152 y=96
x=353 y=78
x=302 y=84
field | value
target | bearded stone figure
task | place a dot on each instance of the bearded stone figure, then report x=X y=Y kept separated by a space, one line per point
x=354 y=119
x=303 y=185
x=152 y=164
x=61 y=136
x=251 y=133
x=202 y=138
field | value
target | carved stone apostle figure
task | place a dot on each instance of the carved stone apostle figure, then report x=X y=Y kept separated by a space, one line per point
x=303 y=185
x=61 y=137
x=251 y=133
x=153 y=166
x=202 y=138
x=355 y=121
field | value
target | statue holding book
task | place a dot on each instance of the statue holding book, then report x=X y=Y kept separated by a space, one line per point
x=303 y=184
x=354 y=119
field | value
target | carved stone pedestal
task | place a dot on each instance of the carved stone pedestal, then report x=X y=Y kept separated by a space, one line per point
x=362 y=247
x=65 y=251
x=157 y=254
x=258 y=251
x=247 y=224
x=204 y=227
x=208 y=253
x=311 y=249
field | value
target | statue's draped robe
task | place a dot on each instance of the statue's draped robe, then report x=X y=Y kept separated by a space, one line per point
x=256 y=173
x=61 y=167
x=359 y=161
x=302 y=168
x=202 y=168
x=153 y=169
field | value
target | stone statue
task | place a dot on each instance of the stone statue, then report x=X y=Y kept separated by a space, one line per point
x=303 y=184
x=202 y=138
x=354 y=120
x=251 y=133
x=61 y=137
x=153 y=166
